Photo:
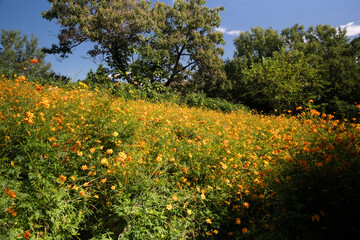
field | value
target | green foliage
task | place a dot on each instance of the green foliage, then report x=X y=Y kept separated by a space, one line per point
x=281 y=82
x=154 y=42
x=200 y=100
x=258 y=45
x=16 y=51
x=100 y=77
x=328 y=67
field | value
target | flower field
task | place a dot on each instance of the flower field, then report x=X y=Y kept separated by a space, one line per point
x=82 y=164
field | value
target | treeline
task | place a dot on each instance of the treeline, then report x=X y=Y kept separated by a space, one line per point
x=159 y=47
x=272 y=70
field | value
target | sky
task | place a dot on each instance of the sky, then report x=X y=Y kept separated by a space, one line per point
x=239 y=16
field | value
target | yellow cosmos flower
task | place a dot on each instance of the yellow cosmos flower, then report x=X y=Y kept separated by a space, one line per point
x=62 y=178
x=104 y=161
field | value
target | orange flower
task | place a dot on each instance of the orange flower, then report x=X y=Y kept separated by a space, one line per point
x=27 y=234
x=314 y=112
x=45 y=102
x=29 y=117
x=246 y=204
x=62 y=178
x=316 y=217
x=34 y=61
x=10 y=193
x=104 y=161
x=11 y=211
x=244 y=230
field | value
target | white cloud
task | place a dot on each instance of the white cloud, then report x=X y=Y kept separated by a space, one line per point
x=224 y=31
x=220 y=29
x=234 y=32
x=352 y=29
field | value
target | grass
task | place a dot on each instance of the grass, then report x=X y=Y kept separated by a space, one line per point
x=77 y=163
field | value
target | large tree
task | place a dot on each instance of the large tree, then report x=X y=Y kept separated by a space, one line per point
x=152 y=42
x=15 y=52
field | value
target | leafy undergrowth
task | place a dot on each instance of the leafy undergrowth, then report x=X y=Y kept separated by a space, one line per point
x=80 y=164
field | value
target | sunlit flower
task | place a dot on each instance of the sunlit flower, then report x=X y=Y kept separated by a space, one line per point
x=313 y=112
x=62 y=178
x=11 y=211
x=45 y=102
x=34 y=61
x=169 y=207
x=208 y=221
x=104 y=161
x=10 y=193
x=27 y=234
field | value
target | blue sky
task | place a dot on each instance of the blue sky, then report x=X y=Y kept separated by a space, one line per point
x=239 y=15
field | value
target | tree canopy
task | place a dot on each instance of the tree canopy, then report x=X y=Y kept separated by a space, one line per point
x=154 y=41
x=325 y=52
x=16 y=51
